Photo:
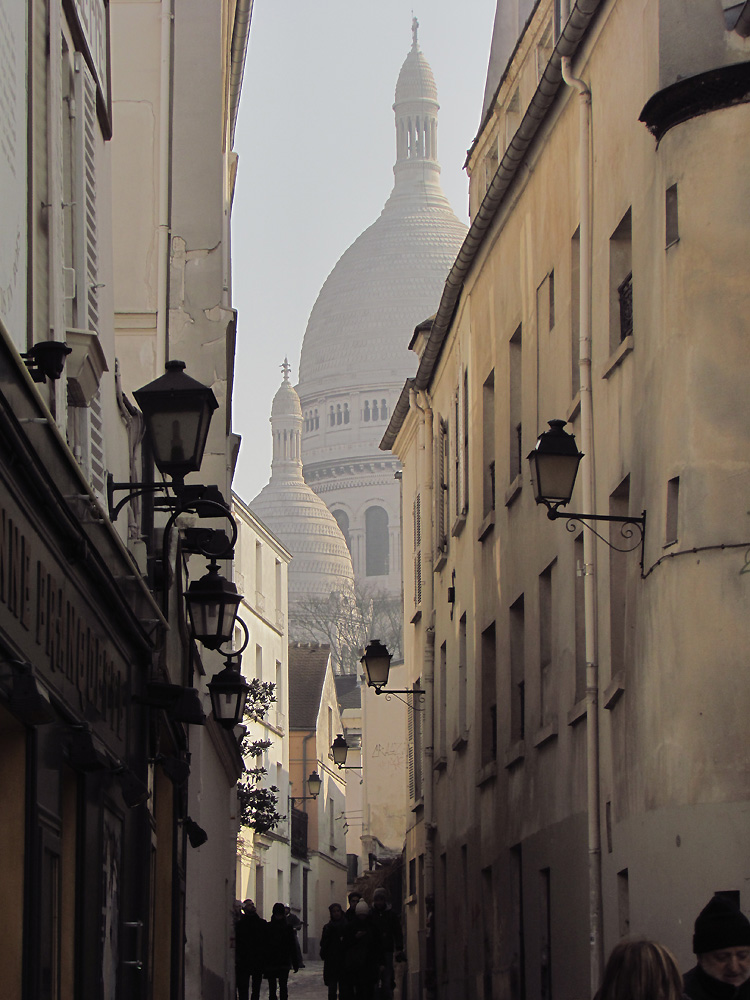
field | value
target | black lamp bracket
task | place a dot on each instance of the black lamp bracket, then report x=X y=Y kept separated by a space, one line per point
x=236 y=654
x=633 y=530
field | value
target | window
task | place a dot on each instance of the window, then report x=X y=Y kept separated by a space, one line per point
x=623 y=903
x=367 y=411
x=331 y=417
x=673 y=508
x=342 y=519
x=442 y=694
x=580 y=619
x=442 y=500
x=462 y=678
x=488 y=444
x=546 y=644
x=417 y=519
x=517 y=671
x=672 y=221
x=376 y=542
x=259 y=567
x=259 y=662
x=346 y=413
x=489 y=695
x=621 y=282
x=374 y=409
x=516 y=403
x=575 y=311
x=339 y=415
x=383 y=409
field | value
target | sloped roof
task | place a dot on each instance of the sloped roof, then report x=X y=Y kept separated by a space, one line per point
x=307 y=671
x=348 y=691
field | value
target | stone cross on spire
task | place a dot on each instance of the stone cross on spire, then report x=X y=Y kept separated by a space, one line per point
x=414 y=30
x=286 y=369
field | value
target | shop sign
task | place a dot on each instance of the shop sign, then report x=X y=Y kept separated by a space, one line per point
x=54 y=625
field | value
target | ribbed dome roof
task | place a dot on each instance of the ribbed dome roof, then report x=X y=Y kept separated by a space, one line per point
x=388 y=280
x=393 y=275
x=321 y=563
x=415 y=81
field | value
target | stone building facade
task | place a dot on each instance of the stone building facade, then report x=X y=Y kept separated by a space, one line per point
x=582 y=771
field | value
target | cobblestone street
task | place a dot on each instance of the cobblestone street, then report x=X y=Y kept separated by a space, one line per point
x=307 y=984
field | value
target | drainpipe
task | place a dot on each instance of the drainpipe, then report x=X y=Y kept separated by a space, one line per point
x=589 y=544
x=165 y=121
x=428 y=665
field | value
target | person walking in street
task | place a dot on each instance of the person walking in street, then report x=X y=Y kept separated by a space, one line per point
x=721 y=943
x=280 y=953
x=354 y=898
x=388 y=926
x=249 y=950
x=332 y=952
x=641 y=970
x=363 y=955
x=295 y=923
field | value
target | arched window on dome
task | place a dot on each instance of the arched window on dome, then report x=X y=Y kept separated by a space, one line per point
x=317 y=420
x=383 y=410
x=376 y=542
x=342 y=519
x=374 y=409
x=367 y=411
x=346 y=413
x=331 y=417
x=339 y=416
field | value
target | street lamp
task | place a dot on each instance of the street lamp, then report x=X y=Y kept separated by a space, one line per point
x=229 y=691
x=376 y=661
x=212 y=604
x=339 y=751
x=177 y=410
x=554 y=464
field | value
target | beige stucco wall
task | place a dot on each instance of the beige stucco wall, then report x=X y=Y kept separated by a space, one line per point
x=669 y=402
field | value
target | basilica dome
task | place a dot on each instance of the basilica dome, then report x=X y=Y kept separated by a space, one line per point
x=392 y=276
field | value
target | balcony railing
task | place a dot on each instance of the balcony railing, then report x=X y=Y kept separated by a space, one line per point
x=299 y=833
x=625 y=295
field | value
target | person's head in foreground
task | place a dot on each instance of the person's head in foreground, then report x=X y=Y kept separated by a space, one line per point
x=641 y=970
x=278 y=912
x=721 y=941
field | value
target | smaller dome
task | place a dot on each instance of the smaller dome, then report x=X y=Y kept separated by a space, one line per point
x=415 y=81
x=286 y=401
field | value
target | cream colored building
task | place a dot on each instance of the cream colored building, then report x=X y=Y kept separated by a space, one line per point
x=260 y=564
x=583 y=768
x=318 y=824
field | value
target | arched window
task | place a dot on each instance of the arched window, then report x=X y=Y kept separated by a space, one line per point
x=317 y=420
x=374 y=409
x=383 y=409
x=342 y=520
x=376 y=542
x=331 y=417
x=338 y=413
x=346 y=413
x=367 y=410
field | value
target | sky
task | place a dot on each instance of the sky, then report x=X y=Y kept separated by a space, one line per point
x=316 y=142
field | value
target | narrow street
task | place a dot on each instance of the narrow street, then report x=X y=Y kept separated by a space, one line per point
x=307 y=984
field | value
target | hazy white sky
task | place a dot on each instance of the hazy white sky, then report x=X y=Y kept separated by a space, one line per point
x=316 y=141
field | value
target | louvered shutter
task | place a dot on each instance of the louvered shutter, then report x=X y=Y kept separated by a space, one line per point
x=462 y=445
x=410 y=737
x=85 y=235
x=417 y=514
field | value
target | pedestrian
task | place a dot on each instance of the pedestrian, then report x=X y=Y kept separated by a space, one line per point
x=353 y=897
x=332 y=952
x=295 y=923
x=363 y=954
x=281 y=955
x=641 y=970
x=721 y=943
x=249 y=950
x=388 y=926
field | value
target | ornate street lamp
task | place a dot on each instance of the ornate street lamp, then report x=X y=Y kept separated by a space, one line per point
x=212 y=604
x=376 y=661
x=314 y=784
x=177 y=410
x=554 y=465
x=339 y=750
x=228 y=690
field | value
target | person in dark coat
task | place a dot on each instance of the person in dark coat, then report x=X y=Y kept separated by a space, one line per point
x=721 y=943
x=249 y=950
x=363 y=955
x=280 y=953
x=332 y=952
x=388 y=926
x=354 y=898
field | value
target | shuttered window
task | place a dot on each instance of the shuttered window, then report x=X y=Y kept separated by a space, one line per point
x=442 y=502
x=85 y=236
x=417 y=515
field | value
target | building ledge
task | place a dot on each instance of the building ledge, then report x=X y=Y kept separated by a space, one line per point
x=578 y=712
x=545 y=734
x=515 y=753
x=487 y=526
x=614 y=691
x=487 y=773
x=459 y=524
x=513 y=490
x=440 y=763
x=460 y=742
x=618 y=357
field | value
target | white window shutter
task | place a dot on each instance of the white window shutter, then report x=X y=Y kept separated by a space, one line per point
x=85 y=235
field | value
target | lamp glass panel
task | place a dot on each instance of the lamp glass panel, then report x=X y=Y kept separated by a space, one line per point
x=556 y=476
x=339 y=750
x=178 y=437
x=377 y=669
